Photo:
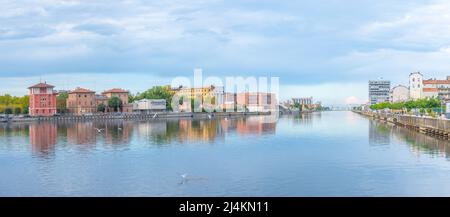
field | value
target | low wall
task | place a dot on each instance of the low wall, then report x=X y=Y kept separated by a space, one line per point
x=159 y=115
x=427 y=125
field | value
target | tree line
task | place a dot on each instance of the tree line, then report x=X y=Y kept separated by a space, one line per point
x=423 y=105
x=14 y=104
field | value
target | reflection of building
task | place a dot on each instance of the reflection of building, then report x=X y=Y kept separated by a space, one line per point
x=379 y=134
x=255 y=125
x=116 y=132
x=149 y=105
x=190 y=130
x=379 y=91
x=81 y=101
x=43 y=137
x=42 y=100
x=81 y=133
x=399 y=93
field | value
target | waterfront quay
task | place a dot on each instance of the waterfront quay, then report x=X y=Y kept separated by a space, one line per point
x=135 y=116
x=427 y=125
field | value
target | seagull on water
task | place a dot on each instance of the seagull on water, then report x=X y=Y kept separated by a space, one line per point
x=99 y=130
x=183 y=179
x=209 y=116
x=119 y=128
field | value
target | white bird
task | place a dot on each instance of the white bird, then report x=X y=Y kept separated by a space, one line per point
x=226 y=119
x=184 y=176
x=99 y=130
x=183 y=179
x=154 y=116
x=119 y=128
x=209 y=116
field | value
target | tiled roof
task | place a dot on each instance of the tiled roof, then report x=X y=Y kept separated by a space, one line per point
x=81 y=90
x=431 y=81
x=116 y=90
x=430 y=90
x=42 y=85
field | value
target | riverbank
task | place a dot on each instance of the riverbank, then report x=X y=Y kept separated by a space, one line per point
x=427 y=125
x=157 y=115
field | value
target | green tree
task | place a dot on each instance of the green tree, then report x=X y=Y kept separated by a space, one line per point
x=115 y=103
x=17 y=110
x=25 y=110
x=131 y=98
x=61 y=100
x=158 y=92
x=101 y=107
x=8 y=111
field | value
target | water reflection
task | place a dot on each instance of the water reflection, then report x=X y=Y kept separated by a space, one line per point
x=421 y=143
x=45 y=136
x=381 y=133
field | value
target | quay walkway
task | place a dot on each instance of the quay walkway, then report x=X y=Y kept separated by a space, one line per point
x=427 y=125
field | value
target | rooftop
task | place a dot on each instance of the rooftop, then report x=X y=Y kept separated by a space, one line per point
x=116 y=90
x=81 y=90
x=41 y=85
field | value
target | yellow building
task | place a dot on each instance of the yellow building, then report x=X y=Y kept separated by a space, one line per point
x=194 y=92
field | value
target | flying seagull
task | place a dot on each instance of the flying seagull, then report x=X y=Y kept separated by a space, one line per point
x=99 y=130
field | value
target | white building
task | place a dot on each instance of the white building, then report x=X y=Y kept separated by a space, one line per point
x=415 y=85
x=399 y=93
x=379 y=91
x=218 y=93
x=149 y=105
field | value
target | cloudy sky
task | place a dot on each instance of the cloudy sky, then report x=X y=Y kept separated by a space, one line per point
x=326 y=49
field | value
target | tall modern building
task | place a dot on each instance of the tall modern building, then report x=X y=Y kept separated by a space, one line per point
x=379 y=91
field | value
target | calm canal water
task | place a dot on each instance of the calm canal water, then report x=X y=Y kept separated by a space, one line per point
x=321 y=154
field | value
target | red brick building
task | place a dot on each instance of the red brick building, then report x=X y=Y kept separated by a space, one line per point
x=42 y=100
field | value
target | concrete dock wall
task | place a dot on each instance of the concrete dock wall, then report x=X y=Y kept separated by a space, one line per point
x=432 y=126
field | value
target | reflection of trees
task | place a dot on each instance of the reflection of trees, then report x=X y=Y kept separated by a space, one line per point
x=422 y=143
x=185 y=130
x=380 y=133
x=113 y=132
x=303 y=118
x=44 y=136
x=116 y=132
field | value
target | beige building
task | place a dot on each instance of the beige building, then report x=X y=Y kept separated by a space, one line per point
x=81 y=101
x=399 y=93
x=123 y=96
x=256 y=102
